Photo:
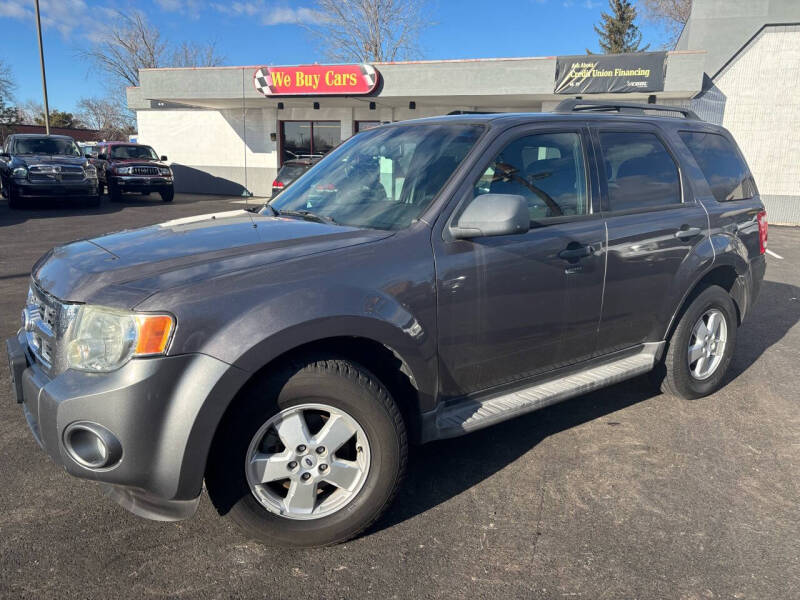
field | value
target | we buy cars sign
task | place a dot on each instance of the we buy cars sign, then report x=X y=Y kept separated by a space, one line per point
x=316 y=80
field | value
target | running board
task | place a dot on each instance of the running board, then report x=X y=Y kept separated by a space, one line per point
x=473 y=414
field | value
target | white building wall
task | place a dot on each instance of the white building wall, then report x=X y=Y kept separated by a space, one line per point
x=762 y=111
x=207 y=148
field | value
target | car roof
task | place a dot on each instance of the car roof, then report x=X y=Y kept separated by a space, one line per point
x=522 y=118
x=42 y=135
x=125 y=144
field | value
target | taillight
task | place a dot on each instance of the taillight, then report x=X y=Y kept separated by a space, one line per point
x=763 y=227
x=277 y=184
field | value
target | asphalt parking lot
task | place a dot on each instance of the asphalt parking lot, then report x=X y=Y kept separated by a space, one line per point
x=620 y=493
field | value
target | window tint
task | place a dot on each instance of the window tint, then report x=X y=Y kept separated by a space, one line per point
x=639 y=170
x=724 y=170
x=546 y=169
x=383 y=178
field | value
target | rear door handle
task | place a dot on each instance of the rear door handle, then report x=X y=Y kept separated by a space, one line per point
x=687 y=232
x=573 y=253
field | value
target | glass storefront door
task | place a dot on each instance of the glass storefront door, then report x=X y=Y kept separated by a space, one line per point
x=303 y=139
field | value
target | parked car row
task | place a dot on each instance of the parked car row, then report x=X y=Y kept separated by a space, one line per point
x=35 y=166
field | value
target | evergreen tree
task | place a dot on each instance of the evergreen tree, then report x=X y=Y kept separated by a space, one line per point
x=618 y=32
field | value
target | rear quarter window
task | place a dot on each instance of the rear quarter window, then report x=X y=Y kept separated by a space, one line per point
x=722 y=166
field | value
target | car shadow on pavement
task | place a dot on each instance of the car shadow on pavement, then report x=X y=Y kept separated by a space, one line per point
x=775 y=312
x=444 y=469
x=48 y=209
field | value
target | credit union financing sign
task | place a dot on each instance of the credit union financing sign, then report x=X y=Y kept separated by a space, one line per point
x=603 y=73
x=316 y=80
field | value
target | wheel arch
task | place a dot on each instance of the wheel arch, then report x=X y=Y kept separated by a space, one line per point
x=725 y=275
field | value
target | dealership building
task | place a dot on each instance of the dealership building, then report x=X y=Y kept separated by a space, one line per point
x=737 y=63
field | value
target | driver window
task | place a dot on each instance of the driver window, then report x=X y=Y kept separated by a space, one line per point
x=546 y=169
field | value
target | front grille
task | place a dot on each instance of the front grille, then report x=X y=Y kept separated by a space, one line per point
x=55 y=173
x=46 y=325
x=145 y=170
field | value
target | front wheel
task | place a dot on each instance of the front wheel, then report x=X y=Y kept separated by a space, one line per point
x=309 y=456
x=13 y=197
x=701 y=348
x=167 y=194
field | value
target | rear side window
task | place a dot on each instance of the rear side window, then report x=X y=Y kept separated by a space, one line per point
x=546 y=169
x=725 y=171
x=640 y=171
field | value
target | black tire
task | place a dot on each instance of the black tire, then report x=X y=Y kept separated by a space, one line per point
x=338 y=383
x=13 y=197
x=93 y=201
x=113 y=192
x=167 y=195
x=673 y=374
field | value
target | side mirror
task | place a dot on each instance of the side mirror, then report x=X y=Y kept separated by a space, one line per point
x=492 y=214
x=102 y=156
x=164 y=157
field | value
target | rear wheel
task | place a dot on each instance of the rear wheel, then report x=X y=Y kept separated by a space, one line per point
x=701 y=348
x=309 y=456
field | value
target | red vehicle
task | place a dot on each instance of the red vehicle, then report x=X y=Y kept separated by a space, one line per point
x=132 y=168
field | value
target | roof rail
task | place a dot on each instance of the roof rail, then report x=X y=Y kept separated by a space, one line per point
x=572 y=105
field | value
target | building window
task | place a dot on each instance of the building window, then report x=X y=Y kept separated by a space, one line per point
x=308 y=138
x=364 y=125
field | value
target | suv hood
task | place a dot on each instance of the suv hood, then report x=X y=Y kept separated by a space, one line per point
x=122 y=269
x=130 y=162
x=50 y=159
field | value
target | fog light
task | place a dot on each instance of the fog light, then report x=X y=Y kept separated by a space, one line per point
x=92 y=445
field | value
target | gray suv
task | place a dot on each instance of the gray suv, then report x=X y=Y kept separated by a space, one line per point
x=424 y=280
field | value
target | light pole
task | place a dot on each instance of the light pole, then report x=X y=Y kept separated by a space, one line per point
x=44 y=79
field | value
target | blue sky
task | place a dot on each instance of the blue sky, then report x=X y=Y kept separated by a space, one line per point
x=266 y=32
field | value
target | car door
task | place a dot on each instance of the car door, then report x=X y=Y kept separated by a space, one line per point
x=653 y=223
x=511 y=307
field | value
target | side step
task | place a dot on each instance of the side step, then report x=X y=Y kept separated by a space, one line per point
x=472 y=414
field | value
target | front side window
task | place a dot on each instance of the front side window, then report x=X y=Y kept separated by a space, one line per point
x=639 y=170
x=725 y=171
x=546 y=169
x=46 y=145
x=136 y=152
x=383 y=178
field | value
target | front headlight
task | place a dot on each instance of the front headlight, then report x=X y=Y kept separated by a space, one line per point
x=124 y=170
x=165 y=170
x=104 y=339
x=20 y=172
x=90 y=171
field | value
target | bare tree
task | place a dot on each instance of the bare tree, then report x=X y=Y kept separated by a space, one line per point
x=369 y=30
x=132 y=43
x=111 y=120
x=670 y=14
x=7 y=83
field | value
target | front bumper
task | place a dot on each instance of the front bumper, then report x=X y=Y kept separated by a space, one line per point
x=82 y=189
x=163 y=411
x=141 y=183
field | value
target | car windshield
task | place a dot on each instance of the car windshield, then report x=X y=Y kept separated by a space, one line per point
x=383 y=178
x=45 y=145
x=142 y=152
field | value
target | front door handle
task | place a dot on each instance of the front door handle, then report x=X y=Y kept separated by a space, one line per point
x=574 y=253
x=687 y=232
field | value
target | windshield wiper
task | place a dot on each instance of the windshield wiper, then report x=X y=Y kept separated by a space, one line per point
x=304 y=214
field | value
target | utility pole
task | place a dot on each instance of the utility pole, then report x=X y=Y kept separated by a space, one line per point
x=44 y=79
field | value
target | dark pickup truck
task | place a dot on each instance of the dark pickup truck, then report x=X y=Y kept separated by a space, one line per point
x=424 y=280
x=35 y=166
x=124 y=167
